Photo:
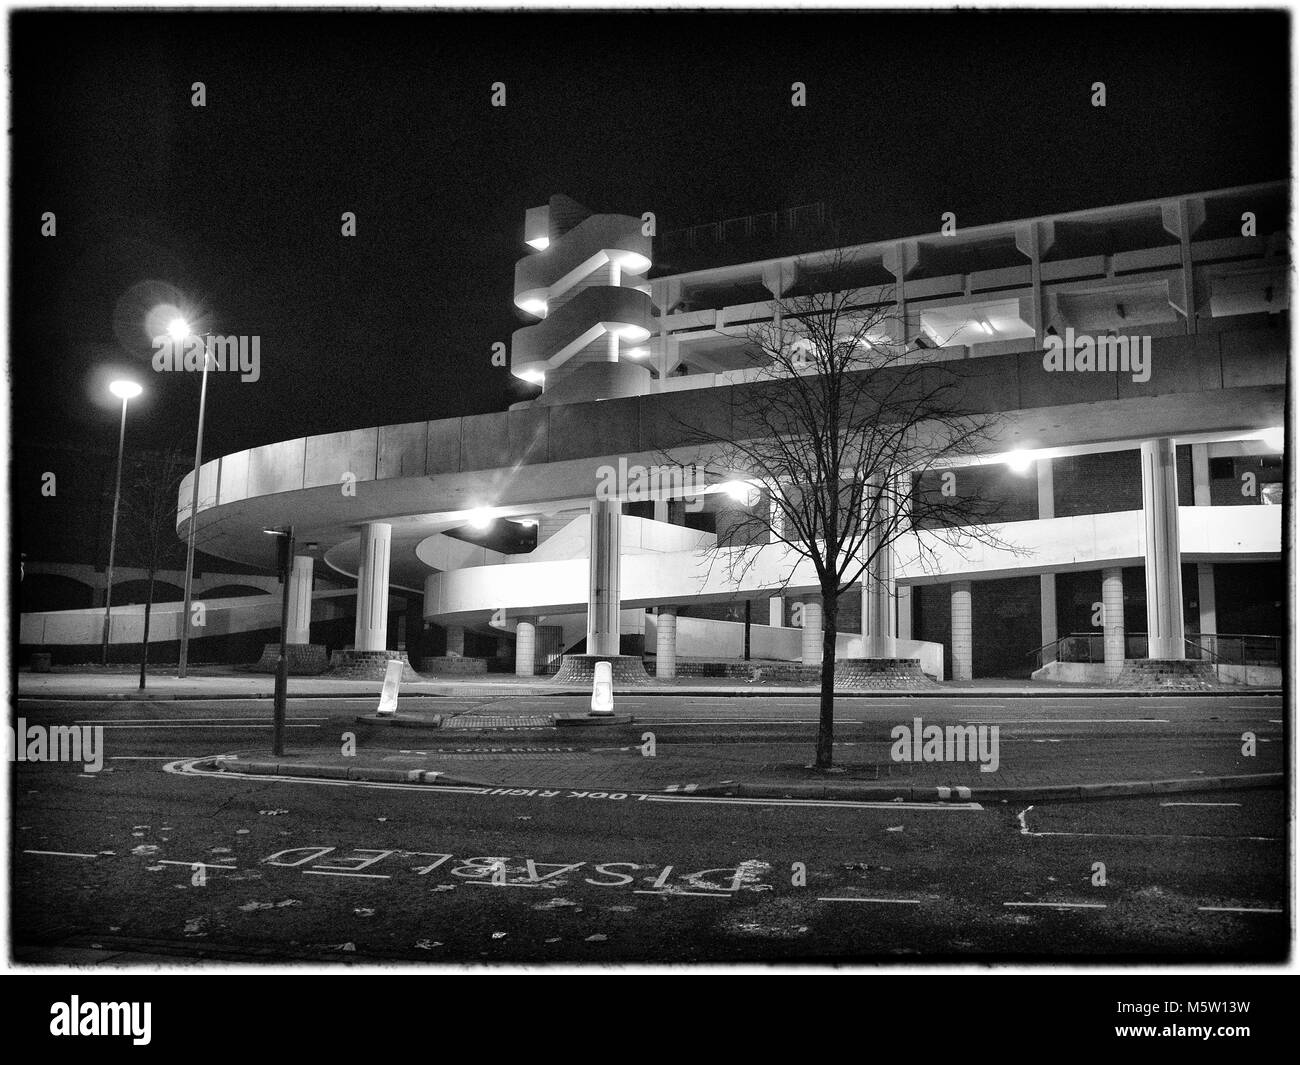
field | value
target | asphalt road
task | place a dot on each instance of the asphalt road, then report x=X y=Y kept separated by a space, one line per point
x=143 y=860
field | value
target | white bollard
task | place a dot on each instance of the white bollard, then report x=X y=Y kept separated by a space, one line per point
x=392 y=681
x=602 y=689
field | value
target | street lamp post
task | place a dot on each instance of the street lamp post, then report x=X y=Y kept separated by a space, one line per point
x=285 y=552
x=180 y=330
x=125 y=391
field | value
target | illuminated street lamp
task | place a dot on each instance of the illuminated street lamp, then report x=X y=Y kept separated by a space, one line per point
x=125 y=391
x=179 y=330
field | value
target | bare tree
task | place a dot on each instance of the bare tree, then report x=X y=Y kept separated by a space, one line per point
x=842 y=420
x=149 y=519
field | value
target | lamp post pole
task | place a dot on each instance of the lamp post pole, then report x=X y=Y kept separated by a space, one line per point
x=194 y=518
x=285 y=545
x=112 y=540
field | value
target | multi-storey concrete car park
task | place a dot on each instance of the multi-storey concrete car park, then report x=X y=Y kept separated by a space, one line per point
x=1144 y=496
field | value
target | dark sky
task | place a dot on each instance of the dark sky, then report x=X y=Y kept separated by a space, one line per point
x=237 y=205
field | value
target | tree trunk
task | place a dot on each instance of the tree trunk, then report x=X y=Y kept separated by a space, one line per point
x=826 y=721
x=144 y=646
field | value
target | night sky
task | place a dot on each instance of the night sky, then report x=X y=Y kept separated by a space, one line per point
x=236 y=206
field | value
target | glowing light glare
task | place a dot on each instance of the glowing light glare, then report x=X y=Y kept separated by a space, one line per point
x=125 y=389
x=1020 y=461
x=533 y=377
x=178 y=329
x=637 y=353
x=540 y=243
x=480 y=519
x=537 y=307
x=529 y=523
x=1274 y=439
x=633 y=262
x=741 y=492
x=632 y=332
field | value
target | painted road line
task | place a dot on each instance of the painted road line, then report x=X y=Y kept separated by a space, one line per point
x=206 y=865
x=1025 y=831
x=179 y=720
x=1062 y=905
x=63 y=854
x=967 y=807
x=142 y=757
x=837 y=898
x=1069 y=721
x=1200 y=804
x=1238 y=909
x=332 y=872
x=499 y=883
x=692 y=894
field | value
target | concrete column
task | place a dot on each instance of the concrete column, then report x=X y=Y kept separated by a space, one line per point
x=525 y=646
x=661 y=509
x=666 y=643
x=1112 y=619
x=1047 y=615
x=904 y=601
x=812 y=634
x=299 y=630
x=776 y=611
x=1163 y=576
x=961 y=631
x=879 y=631
x=1205 y=599
x=456 y=640
x=603 y=577
x=372 y=587
x=1201 y=475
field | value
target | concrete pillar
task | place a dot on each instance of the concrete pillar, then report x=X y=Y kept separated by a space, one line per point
x=666 y=643
x=1112 y=619
x=812 y=634
x=456 y=641
x=661 y=510
x=525 y=646
x=1047 y=615
x=1207 y=606
x=299 y=630
x=1163 y=575
x=904 y=602
x=372 y=587
x=603 y=577
x=776 y=611
x=961 y=631
x=1201 y=475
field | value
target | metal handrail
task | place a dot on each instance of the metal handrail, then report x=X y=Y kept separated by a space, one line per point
x=1199 y=641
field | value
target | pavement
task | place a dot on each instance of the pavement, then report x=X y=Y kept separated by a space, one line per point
x=509 y=737
x=231 y=682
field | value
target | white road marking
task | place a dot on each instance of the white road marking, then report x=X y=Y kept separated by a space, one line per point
x=1025 y=831
x=692 y=894
x=331 y=872
x=1200 y=804
x=1062 y=905
x=142 y=757
x=251 y=724
x=901 y=902
x=1069 y=721
x=967 y=807
x=206 y=865
x=64 y=854
x=1237 y=909
x=498 y=883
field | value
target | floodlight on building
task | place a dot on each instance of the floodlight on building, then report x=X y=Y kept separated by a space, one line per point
x=1274 y=439
x=528 y=523
x=480 y=519
x=533 y=377
x=633 y=262
x=537 y=307
x=637 y=353
x=178 y=329
x=540 y=243
x=1020 y=461
x=632 y=332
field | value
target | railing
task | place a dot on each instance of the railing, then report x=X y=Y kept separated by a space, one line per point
x=747 y=227
x=1223 y=649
